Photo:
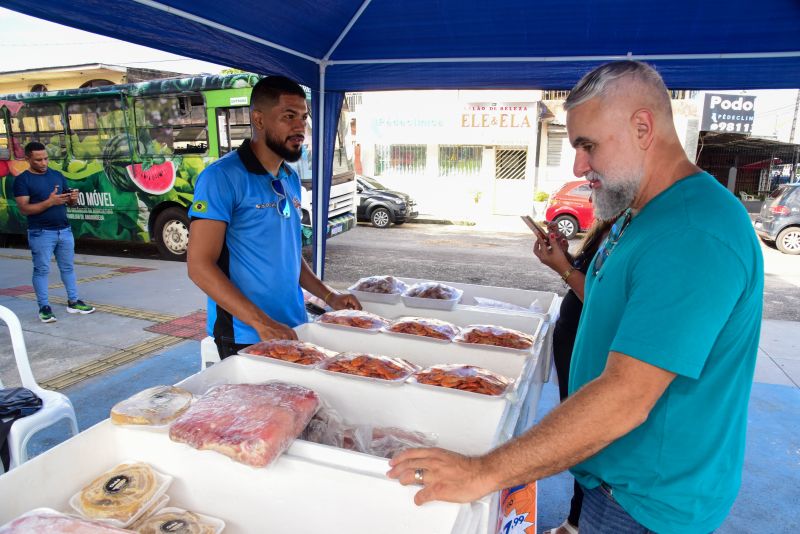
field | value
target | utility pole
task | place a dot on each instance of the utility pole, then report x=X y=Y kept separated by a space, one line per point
x=794 y=119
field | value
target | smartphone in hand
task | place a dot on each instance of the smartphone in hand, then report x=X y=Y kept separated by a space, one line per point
x=536 y=228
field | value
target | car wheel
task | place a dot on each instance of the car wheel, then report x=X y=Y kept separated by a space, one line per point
x=567 y=225
x=769 y=242
x=380 y=218
x=788 y=240
x=171 y=233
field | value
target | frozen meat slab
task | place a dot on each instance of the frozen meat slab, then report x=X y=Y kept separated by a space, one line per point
x=251 y=423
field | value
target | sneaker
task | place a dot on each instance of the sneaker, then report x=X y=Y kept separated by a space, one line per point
x=79 y=307
x=46 y=314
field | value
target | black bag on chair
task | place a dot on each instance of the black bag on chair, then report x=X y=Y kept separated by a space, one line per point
x=15 y=403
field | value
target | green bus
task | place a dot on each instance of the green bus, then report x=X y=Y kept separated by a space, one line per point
x=134 y=153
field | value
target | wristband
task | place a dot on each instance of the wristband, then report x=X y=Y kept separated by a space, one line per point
x=328 y=294
x=566 y=274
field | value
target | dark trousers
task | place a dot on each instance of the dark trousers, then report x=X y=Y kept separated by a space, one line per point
x=562 y=355
x=228 y=348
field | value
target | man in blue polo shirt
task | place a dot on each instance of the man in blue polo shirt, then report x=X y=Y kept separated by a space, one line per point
x=245 y=250
x=42 y=195
x=654 y=428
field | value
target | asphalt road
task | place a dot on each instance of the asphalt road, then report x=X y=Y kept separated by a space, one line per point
x=467 y=254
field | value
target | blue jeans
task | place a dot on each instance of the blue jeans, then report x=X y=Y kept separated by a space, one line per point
x=43 y=244
x=601 y=514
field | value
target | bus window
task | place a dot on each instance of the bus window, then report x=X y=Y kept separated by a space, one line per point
x=233 y=127
x=92 y=124
x=172 y=124
x=5 y=153
x=39 y=122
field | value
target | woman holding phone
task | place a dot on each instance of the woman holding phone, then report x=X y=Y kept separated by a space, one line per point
x=553 y=251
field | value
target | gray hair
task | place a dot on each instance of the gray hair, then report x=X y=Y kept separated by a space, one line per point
x=604 y=78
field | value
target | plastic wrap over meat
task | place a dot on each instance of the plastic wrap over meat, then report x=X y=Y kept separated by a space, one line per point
x=497 y=336
x=251 y=423
x=370 y=366
x=502 y=305
x=292 y=351
x=433 y=290
x=419 y=326
x=388 y=441
x=464 y=378
x=387 y=285
x=354 y=319
x=328 y=428
x=157 y=405
x=43 y=521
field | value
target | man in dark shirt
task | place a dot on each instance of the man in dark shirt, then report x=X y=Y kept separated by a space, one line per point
x=43 y=196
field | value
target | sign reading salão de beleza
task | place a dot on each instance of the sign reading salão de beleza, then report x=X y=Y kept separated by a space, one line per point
x=728 y=113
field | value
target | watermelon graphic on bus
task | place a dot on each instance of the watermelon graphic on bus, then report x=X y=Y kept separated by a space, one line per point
x=158 y=179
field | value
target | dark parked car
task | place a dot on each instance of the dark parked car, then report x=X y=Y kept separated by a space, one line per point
x=778 y=224
x=382 y=206
x=571 y=208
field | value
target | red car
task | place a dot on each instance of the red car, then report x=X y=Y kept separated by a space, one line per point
x=571 y=208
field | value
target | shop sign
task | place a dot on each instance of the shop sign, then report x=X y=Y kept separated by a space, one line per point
x=499 y=115
x=728 y=113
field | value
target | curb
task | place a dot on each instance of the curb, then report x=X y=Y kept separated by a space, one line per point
x=440 y=221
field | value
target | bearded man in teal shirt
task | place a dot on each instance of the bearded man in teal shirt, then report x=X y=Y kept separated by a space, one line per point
x=654 y=428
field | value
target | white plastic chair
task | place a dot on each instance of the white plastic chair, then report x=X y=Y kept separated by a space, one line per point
x=208 y=353
x=55 y=406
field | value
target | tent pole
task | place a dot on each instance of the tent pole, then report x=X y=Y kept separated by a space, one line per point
x=321 y=227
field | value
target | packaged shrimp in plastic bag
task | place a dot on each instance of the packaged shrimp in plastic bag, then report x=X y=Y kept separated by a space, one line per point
x=354 y=319
x=250 y=423
x=421 y=326
x=463 y=378
x=433 y=290
x=496 y=336
x=432 y=295
x=386 y=285
x=290 y=351
x=370 y=366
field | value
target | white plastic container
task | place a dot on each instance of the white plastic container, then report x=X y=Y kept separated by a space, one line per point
x=512 y=364
x=217 y=524
x=368 y=296
x=357 y=500
x=153 y=503
x=379 y=403
x=547 y=302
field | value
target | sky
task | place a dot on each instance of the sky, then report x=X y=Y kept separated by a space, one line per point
x=28 y=43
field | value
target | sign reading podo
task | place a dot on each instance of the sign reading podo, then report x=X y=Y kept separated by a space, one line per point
x=499 y=115
x=728 y=113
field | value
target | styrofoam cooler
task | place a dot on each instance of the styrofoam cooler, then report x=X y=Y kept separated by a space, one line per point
x=374 y=402
x=293 y=494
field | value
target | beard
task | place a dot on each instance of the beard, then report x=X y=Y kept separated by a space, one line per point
x=281 y=149
x=616 y=193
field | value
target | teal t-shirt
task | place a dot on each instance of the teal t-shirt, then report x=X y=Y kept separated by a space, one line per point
x=681 y=290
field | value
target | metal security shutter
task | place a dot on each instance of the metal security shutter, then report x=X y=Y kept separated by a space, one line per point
x=510 y=163
x=555 y=145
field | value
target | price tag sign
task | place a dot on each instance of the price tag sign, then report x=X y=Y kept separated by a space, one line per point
x=515 y=523
x=518 y=510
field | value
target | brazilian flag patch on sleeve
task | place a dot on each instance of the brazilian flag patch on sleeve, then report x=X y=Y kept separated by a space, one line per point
x=200 y=206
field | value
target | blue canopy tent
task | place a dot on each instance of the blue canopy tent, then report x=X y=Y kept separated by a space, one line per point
x=333 y=46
